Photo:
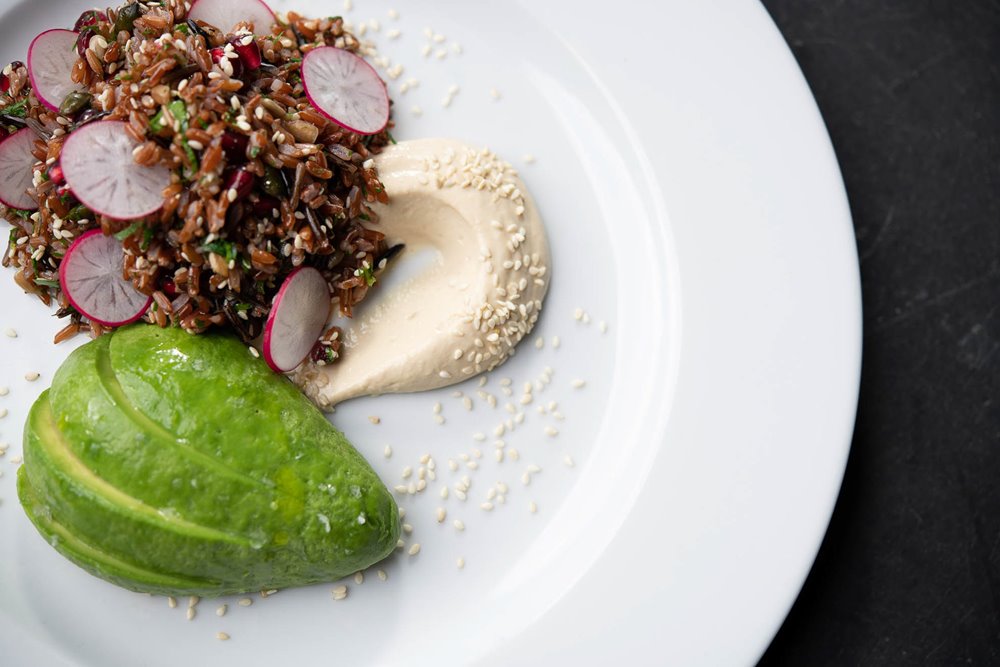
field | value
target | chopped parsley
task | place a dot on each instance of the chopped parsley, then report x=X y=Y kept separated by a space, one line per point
x=128 y=231
x=222 y=248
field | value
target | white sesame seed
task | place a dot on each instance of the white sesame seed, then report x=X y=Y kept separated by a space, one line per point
x=11 y=333
x=375 y=420
x=551 y=431
x=513 y=454
x=494 y=93
x=441 y=514
x=579 y=384
x=171 y=602
x=340 y=592
x=578 y=314
x=387 y=452
x=408 y=529
x=452 y=465
x=245 y=602
x=498 y=455
x=459 y=524
x=439 y=419
x=414 y=549
x=539 y=343
x=191 y=613
x=472 y=465
x=3 y=412
x=31 y=376
x=532 y=507
x=460 y=563
x=568 y=460
x=407 y=471
x=221 y=610
x=487 y=506
x=222 y=636
x=444 y=374
x=382 y=575
x=603 y=326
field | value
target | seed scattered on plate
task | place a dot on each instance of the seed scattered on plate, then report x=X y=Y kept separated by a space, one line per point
x=568 y=460
x=375 y=420
x=31 y=376
x=459 y=524
x=222 y=609
x=532 y=507
x=359 y=578
x=245 y=602
x=3 y=412
x=4 y=391
x=382 y=575
x=222 y=636
x=387 y=452
x=460 y=562
x=579 y=384
x=414 y=549
x=11 y=333
x=340 y=592
x=171 y=602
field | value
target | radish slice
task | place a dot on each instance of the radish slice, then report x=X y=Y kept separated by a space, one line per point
x=225 y=14
x=297 y=318
x=345 y=89
x=51 y=57
x=16 y=162
x=98 y=164
x=91 y=278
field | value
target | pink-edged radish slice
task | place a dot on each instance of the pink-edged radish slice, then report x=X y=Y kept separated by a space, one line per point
x=91 y=277
x=98 y=165
x=345 y=89
x=51 y=57
x=225 y=14
x=298 y=315
x=16 y=162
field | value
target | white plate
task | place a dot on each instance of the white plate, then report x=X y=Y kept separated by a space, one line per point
x=694 y=203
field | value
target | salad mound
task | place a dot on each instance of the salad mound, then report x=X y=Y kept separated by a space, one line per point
x=224 y=173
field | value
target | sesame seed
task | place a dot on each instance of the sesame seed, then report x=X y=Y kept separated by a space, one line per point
x=534 y=469
x=31 y=376
x=340 y=592
x=407 y=471
x=444 y=492
x=414 y=549
x=191 y=613
x=498 y=455
x=444 y=374
x=494 y=93
x=467 y=402
x=513 y=454
x=382 y=575
x=551 y=432
x=529 y=158
x=460 y=562
x=387 y=452
x=568 y=460
x=171 y=602
x=437 y=408
x=452 y=465
x=359 y=578
x=459 y=525
x=487 y=506
x=532 y=507
x=408 y=529
x=578 y=384
x=245 y=602
x=441 y=514
x=439 y=419
x=222 y=636
x=603 y=326
x=578 y=314
x=539 y=343
x=3 y=412
x=11 y=333
x=221 y=610
x=254 y=353
x=375 y=420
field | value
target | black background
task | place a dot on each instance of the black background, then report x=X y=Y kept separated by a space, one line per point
x=909 y=572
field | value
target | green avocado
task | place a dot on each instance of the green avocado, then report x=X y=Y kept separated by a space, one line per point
x=178 y=464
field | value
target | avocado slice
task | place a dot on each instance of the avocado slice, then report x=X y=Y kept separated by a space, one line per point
x=173 y=463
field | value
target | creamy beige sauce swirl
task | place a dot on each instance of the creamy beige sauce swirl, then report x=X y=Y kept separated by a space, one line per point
x=480 y=295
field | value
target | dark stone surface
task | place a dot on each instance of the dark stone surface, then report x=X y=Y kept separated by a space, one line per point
x=909 y=572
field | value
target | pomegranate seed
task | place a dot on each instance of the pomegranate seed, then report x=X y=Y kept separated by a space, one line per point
x=249 y=53
x=240 y=180
x=235 y=147
x=169 y=288
x=90 y=17
x=3 y=133
x=265 y=206
x=5 y=80
x=56 y=174
x=219 y=54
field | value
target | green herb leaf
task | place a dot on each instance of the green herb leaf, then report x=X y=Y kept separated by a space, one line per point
x=128 y=231
x=78 y=212
x=47 y=283
x=18 y=110
x=222 y=248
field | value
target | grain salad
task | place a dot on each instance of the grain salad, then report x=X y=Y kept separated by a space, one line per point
x=261 y=182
